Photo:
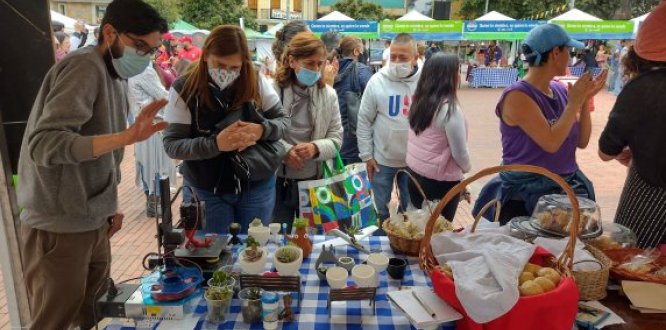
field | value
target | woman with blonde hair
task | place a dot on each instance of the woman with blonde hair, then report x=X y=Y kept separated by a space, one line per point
x=210 y=130
x=315 y=130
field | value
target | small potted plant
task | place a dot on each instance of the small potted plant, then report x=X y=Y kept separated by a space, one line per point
x=251 y=304
x=300 y=237
x=260 y=232
x=252 y=260
x=218 y=300
x=234 y=230
x=288 y=260
x=221 y=278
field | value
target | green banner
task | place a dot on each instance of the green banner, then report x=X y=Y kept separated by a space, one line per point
x=597 y=26
x=421 y=26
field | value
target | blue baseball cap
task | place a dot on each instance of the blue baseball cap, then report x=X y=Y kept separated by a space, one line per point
x=545 y=37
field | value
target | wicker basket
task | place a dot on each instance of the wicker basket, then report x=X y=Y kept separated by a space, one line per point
x=400 y=244
x=592 y=285
x=563 y=264
x=619 y=256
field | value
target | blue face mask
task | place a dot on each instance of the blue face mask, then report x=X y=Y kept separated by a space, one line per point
x=131 y=63
x=308 y=77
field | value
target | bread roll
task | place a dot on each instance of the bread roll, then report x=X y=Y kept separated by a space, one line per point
x=545 y=284
x=525 y=276
x=530 y=288
x=532 y=268
x=551 y=274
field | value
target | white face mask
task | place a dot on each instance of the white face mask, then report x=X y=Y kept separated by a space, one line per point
x=223 y=77
x=401 y=69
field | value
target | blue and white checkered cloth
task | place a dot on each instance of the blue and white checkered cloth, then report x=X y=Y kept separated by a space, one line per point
x=579 y=70
x=493 y=77
x=313 y=313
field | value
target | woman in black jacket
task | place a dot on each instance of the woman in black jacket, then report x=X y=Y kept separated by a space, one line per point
x=209 y=129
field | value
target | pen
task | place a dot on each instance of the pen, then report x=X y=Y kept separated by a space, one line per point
x=423 y=304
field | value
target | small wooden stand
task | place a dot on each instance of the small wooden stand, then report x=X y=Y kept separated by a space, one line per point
x=273 y=283
x=351 y=294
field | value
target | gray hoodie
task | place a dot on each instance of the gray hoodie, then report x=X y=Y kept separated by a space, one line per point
x=62 y=187
x=383 y=126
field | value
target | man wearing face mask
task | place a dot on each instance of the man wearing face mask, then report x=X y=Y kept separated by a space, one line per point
x=70 y=166
x=383 y=124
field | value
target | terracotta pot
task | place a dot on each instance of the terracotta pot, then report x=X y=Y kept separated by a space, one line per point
x=302 y=240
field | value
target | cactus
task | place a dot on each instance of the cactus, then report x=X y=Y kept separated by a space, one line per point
x=256 y=223
x=300 y=223
x=287 y=254
x=252 y=253
x=220 y=277
x=220 y=293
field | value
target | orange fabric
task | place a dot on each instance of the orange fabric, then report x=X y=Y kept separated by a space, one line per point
x=650 y=41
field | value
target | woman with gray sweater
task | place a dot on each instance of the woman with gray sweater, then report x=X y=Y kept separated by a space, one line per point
x=316 y=128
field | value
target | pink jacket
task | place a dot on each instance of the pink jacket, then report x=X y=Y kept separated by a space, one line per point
x=428 y=154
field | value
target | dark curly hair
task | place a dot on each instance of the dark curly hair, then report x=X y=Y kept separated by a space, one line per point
x=284 y=36
x=634 y=64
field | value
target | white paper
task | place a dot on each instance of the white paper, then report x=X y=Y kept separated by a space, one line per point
x=610 y=320
x=417 y=314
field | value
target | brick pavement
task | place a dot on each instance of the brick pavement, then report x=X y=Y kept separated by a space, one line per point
x=137 y=237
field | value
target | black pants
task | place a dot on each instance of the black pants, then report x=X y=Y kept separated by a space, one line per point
x=434 y=190
x=286 y=201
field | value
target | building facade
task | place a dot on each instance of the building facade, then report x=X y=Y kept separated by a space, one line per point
x=437 y=9
x=272 y=12
x=91 y=11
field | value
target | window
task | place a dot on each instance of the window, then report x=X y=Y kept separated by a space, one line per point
x=298 y=5
x=252 y=4
x=100 y=10
x=275 y=4
x=62 y=8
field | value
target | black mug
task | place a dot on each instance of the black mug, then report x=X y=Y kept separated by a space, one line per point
x=396 y=268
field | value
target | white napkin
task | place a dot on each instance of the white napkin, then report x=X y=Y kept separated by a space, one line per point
x=485 y=267
x=583 y=260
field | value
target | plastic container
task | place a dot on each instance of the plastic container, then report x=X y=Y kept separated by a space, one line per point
x=251 y=309
x=553 y=214
x=270 y=306
x=615 y=236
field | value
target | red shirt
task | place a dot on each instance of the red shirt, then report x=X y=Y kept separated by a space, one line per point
x=191 y=55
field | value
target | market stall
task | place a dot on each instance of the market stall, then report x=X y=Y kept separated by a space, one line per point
x=492 y=77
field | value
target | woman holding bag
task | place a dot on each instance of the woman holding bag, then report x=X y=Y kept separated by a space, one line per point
x=315 y=128
x=205 y=132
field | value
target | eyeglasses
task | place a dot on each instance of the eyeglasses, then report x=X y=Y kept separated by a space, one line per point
x=141 y=47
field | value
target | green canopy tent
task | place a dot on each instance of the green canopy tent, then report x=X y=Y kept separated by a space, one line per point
x=254 y=35
x=183 y=26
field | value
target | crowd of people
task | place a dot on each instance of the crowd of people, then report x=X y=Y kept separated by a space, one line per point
x=246 y=139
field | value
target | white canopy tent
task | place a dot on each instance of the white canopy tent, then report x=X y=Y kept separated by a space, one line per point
x=415 y=16
x=494 y=16
x=576 y=15
x=67 y=21
x=336 y=16
x=272 y=31
x=638 y=21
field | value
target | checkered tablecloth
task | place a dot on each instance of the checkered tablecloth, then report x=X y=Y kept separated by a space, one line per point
x=578 y=71
x=493 y=77
x=313 y=313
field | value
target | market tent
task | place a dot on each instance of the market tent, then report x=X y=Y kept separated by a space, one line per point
x=272 y=31
x=336 y=16
x=638 y=21
x=181 y=25
x=576 y=15
x=254 y=35
x=415 y=16
x=494 y=16
x=68 y=22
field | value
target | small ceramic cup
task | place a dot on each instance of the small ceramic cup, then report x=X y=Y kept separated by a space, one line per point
x=378 y=261
x=396 y=268
x=337 y=277
x=364 y=276
x=346 y=263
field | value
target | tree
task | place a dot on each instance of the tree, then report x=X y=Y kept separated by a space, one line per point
x=207 y=14
x=168 y=9
x=360 y=10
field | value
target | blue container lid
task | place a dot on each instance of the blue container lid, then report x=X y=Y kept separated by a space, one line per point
x=268 y=297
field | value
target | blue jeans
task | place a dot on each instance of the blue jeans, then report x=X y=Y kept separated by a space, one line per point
x=257 y=201
x=382 y=189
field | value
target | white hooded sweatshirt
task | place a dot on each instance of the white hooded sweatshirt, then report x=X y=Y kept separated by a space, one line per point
x=383 y=124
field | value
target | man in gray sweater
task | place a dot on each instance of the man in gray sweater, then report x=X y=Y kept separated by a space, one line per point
x=70 y=166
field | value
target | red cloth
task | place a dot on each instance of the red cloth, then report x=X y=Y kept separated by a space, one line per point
x=555 y=310
x=191 y=55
